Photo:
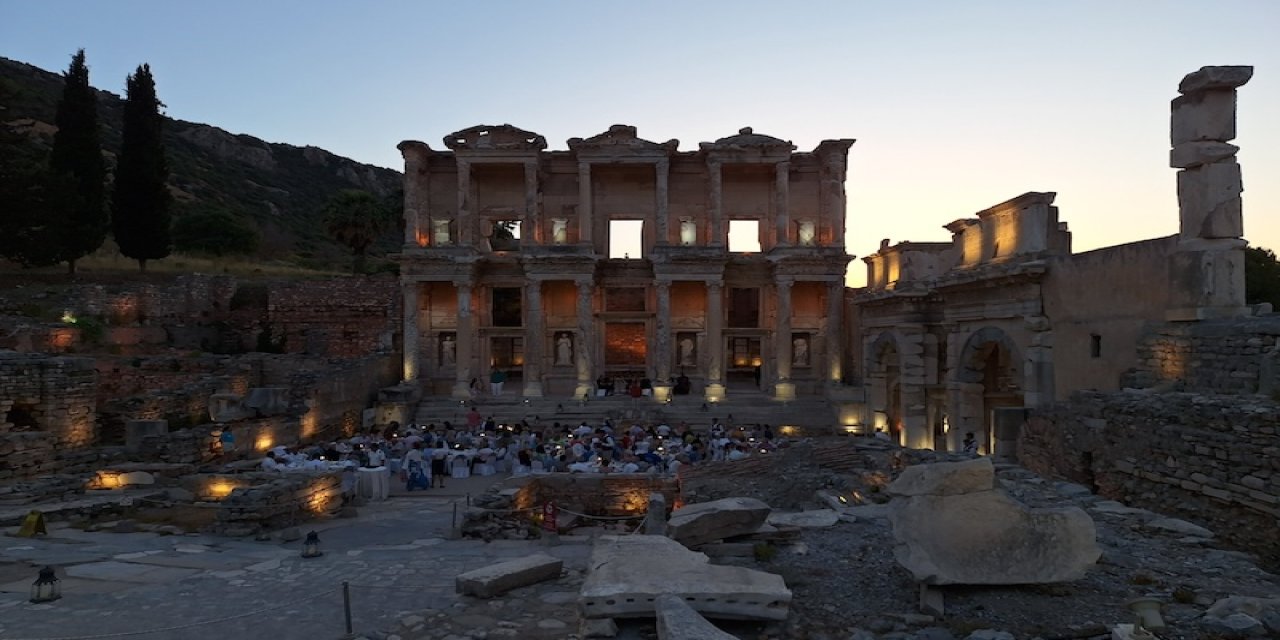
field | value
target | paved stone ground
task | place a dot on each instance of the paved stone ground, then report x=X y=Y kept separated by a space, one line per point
x=396 y=556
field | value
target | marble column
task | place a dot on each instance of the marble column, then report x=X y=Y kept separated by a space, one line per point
x=534 y=339
x=715 y=341
x=662 y=170
x=835 y=329
x=409 y=343
x=416 y=204
x=586 y=234
x=782 y=209
x=466 y=224
x=531 y=223
x=582 y=347
x=783 y=388
x=465 y=346
x=716 y=233
x=662 y=343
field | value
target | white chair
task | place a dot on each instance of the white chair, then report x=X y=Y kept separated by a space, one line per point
x=537 y=468
x=486 y=466
x=460 y=467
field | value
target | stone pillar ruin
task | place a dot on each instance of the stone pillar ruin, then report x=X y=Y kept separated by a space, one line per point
x=662 y=342
x=582 y=346
x=530 y=225
x=466 y=236
x=465 y=345
x=1208 y=266
x=834 y=326
x=662 y=171
x=715 y=341
x=782 y=210
x=534 y=338
x=585 y=234
x=415 y=194
x=783 y=388
x=715 y=235
x=411 y=366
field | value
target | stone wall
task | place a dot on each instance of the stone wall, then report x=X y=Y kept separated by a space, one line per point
x=596 y=494
x=346 y=318
x=1237 y=356
x=272 y=501
x=1209 y=459
x=52 y=394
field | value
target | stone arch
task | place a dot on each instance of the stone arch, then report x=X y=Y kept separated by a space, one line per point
x=884 y=369
x=987 y=377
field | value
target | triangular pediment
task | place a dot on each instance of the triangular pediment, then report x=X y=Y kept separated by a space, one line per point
x=502 y=137
x=749 y=139
x=620 y=138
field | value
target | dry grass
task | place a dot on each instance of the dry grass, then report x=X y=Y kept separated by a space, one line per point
x=109 y=261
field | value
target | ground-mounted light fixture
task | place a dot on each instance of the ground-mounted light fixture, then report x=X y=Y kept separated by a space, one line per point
x=311 y=546
x=47 y=586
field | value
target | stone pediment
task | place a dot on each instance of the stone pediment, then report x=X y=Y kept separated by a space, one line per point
x=619 y=139
x=747 y=138
x=503 y=137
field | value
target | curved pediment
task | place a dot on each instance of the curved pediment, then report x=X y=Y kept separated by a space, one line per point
x=620 y=138
x=747 y=138
x=502 y=137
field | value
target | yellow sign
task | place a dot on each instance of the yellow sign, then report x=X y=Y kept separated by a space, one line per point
x=33 y=525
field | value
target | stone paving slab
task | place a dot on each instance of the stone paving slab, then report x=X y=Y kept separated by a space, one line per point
x=114 y=571
x=209 y=561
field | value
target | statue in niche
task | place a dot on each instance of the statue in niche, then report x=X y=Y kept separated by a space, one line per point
x=448 y=350
x=687 y=347
x=688 y=232
x=564 y=349
x=806 y=234
x=559 y=231
x=800 y=351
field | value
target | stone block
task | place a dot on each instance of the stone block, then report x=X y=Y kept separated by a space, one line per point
x=598 y=628
x=1209 y=283
x=1209 y=115
x=1215 y=78
x=710 y=521
x=678 y=621
x=227 y=407
x=137 y=430
x=819 y=518
x=655 y=523
x=1189 y=155
x=629 y=573
x=1209 y=202
x=136 y=479
x=496 y=579
x=945 y=478
x=268 y=401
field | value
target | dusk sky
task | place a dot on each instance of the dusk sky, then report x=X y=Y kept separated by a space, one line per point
x=956 y=106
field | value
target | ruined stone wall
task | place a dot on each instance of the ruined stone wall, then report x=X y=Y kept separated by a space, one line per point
x=1209 y=459
x=341 y=317
x=50 y=394
x=1232 y=356
x=596 y=494
x=272 y=501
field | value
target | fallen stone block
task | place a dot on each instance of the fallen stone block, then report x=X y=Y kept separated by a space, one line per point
x=984 y=536
x=496 y=579
x=945 y=478
x=1215 y=78
x=678 y=621
x=817 y=519
x=932 y=601
x=729 y=549
x=598 y=628
x=710 y=521
x=1182 y=527
x=628 y=573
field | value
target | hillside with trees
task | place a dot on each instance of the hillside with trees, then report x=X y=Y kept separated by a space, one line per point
x=277 y=191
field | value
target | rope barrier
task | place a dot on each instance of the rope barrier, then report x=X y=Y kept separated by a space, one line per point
x=125 y=634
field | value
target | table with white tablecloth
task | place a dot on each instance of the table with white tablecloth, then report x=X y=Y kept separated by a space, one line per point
x=373 y=483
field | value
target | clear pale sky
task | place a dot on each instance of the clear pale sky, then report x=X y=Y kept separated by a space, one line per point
x=956 y=106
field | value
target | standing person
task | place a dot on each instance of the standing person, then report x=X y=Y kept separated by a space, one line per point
x=228 y=440
x=438 y=463
x=415 y=469
x=496 y=380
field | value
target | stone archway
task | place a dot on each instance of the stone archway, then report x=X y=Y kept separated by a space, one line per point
x=987 y=377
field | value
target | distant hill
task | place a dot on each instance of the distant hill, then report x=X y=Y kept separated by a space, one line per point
x=279 y=186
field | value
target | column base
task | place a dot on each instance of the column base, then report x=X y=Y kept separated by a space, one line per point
x=461 y=390
x=533 y=389
x=662 y=394
x=784 y=391
x=715 y=393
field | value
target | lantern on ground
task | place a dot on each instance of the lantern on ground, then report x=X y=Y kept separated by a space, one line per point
x=311 y=546
x=47 y=587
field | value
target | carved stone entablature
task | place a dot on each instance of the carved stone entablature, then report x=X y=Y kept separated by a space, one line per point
x=746 y=139
x=436 y=265
x=676 y=254
x=502 y=137
x=414 y=150
x=558 y=267
x=621 y=140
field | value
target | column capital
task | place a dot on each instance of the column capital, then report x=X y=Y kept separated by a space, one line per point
x=662 y=164
x=716 y=284
x=784 y=283
x=462 y=284
x=662 y=284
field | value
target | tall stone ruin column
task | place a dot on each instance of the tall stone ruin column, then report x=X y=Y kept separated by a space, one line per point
x=465 y=344
x=782 y=209
x=715 y=341
x=662 y=197
x=531 y=224
x=466 y=223
x=534 y=339
x=835 y=325
x=783 y=388
x=409 y=330
x=416 y=193
x=585 y=231
x=662 y=343
x=715 y=232
x=583 y=345
x=1207 y=268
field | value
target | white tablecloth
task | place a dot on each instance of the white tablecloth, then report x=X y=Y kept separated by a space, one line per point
x=373 y=483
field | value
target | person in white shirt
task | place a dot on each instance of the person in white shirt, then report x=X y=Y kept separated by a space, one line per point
x=376 y=457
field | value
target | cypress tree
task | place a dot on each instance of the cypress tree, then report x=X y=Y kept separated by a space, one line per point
x=140 y=205
x=77 y=153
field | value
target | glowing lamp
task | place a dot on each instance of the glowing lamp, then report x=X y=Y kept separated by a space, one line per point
x=47 y=587
x=842 y=499
x=311 y=546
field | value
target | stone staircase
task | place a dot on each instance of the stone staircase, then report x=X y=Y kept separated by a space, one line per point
x=810 y=415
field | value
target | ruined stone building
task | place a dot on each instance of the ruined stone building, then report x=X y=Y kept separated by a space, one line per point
x=625 y=258
x=963 y=336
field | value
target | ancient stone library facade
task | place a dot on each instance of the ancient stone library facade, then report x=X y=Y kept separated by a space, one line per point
x=620 y=257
